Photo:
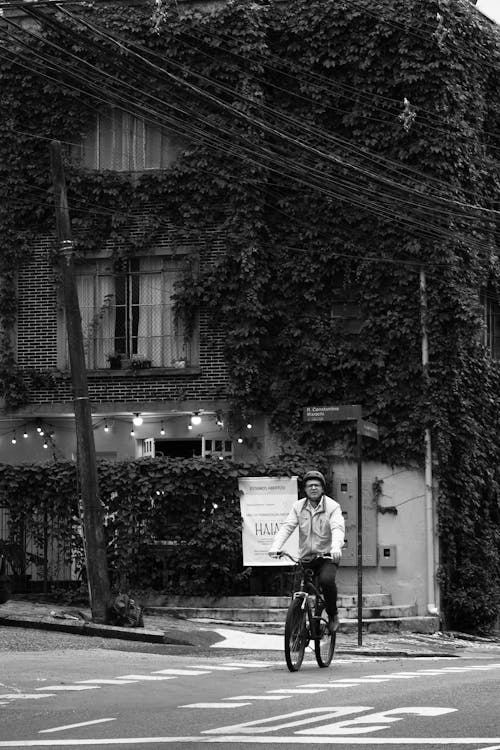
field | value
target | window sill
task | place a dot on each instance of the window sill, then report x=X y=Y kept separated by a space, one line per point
x=146 y=372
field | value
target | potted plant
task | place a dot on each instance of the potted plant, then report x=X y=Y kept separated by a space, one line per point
x=115 y=360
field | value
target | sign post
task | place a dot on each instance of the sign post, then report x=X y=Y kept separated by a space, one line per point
x=350 y=413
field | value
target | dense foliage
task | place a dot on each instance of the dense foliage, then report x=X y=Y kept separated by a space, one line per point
x=331 y=193
x=192 y=504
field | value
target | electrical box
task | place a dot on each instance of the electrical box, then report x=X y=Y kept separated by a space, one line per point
x=387 y=556
x=345 y=493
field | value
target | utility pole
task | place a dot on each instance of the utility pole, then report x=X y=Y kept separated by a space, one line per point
x=91 y=509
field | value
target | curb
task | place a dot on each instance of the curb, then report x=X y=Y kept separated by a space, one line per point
x=194 y=638
x=112 y=631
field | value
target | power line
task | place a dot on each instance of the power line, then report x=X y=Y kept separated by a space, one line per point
x=346 y=185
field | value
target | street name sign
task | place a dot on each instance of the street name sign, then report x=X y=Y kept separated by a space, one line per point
x=332 y=413
x=368 y=429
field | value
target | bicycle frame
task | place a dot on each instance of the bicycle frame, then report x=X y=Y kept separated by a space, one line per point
x=307 y=621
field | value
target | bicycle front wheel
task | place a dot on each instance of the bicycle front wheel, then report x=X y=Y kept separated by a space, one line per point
x=324 y=641
x=295 y=635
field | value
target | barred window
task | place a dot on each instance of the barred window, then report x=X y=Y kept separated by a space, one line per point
x=128 y=313
x=124 y=143
x=491 y=313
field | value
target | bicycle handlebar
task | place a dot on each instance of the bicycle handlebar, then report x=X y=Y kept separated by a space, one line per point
x=298 y=561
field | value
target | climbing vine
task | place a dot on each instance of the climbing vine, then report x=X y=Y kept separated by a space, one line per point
x=340 y=148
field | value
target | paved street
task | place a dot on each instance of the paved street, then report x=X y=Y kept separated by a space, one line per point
x=79 y=692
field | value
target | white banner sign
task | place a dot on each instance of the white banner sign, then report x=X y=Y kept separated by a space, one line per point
x=265 y=503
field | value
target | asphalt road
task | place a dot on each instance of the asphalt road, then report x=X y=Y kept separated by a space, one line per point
x=92 y=695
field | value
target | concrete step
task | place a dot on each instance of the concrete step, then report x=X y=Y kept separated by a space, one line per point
x=256 y=602
x=420 y=624
x=273 y=614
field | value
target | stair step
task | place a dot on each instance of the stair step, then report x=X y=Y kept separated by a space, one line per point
x=421 y=624
x=256 y=602
x=274 y=614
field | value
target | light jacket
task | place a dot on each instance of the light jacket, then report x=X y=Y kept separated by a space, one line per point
x=321 y=529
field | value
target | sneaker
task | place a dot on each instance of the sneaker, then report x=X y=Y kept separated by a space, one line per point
x=334 y=625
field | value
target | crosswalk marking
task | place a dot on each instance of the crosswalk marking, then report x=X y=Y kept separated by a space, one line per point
x=299 y=691
x=215 y=705
x=256 y=697
x=219 y=669
x=99 y=681
x=6 y=697
x=180 y=672
x=150 y=677
x=63 y=688
x=74 y=726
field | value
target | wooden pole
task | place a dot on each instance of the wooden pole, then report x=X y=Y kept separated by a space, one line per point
x=92 y=520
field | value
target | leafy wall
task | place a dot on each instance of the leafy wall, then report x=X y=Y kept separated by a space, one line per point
x=340 y=148
x=191 y=503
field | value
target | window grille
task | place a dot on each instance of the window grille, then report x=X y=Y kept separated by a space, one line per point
x=491 y=316
x=127 y=313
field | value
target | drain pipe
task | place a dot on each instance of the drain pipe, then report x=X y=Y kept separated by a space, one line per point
x=429 y=506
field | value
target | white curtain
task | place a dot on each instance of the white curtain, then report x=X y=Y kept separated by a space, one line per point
x=97 y=308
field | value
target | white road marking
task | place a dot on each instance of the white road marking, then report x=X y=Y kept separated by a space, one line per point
x=292 y=719
x=24 y=696
x=256 y=698
x=74 y=726
x=257 y=740
x=215 y=705
x=374 y=722
x=250 y=663
x=144 y=677
x=221 y=669
x=98 y=681
x=299 y=691
x=62 y=688
x=179 y=672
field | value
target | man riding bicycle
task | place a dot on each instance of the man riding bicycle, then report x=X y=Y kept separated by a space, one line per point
x=321 y=534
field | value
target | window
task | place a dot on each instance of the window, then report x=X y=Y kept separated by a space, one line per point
x=218 y=449
x=491 y=313
x=124 y=143
x=127 y=310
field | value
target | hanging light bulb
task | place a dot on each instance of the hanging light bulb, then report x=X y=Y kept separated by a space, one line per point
x=39 y=428
x=106 y=428
x=195 y=418
x=25 y=433
x=137 y=420
x=249 y=425
x=132 y=432
x=14 y=439
x=45 y=443
x=190 y=426
x=240 y=440
x=162 y=429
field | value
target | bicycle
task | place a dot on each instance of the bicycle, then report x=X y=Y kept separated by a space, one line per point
x=306 y=621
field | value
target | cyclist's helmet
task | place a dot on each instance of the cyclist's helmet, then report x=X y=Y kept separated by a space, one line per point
x=314 y=475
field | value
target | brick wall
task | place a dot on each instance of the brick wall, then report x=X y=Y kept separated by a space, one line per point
x=37 y=332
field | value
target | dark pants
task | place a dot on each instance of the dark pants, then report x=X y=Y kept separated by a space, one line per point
x=326 y=570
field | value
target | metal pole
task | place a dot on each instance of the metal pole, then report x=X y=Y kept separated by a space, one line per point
x=359 y=441
x=429 y=504
x=92 y=521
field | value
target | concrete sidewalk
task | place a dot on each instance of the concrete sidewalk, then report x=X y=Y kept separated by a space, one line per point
x=164 y=629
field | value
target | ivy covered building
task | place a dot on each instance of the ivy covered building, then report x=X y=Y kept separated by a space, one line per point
x=275 y=205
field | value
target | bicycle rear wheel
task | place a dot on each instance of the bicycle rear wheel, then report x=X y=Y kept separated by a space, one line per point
x=324 y=641
x=295 y=635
